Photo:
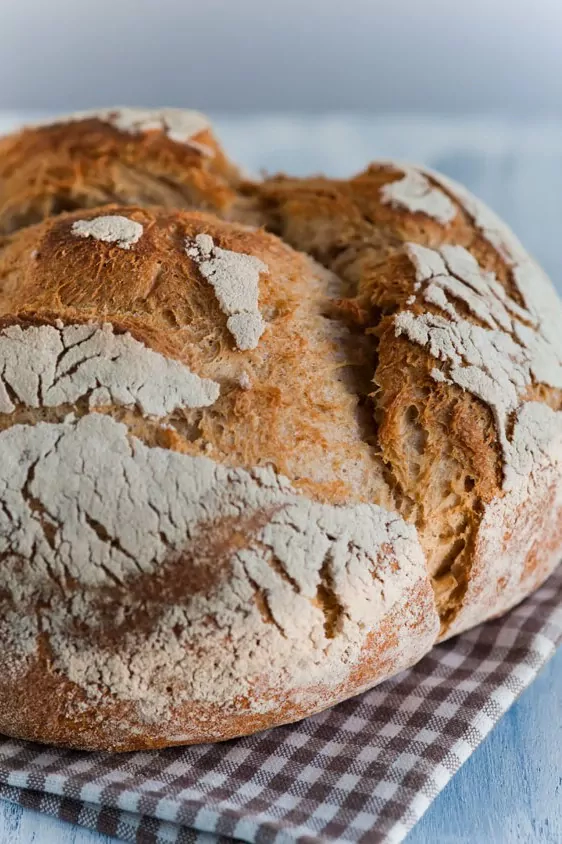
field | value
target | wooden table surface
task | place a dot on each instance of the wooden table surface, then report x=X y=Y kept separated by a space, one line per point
x=510 y=790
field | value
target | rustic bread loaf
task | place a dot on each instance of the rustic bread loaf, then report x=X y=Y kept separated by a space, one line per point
x=241 y=482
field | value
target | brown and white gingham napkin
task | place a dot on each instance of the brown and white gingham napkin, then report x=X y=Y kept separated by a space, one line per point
x=364 y=771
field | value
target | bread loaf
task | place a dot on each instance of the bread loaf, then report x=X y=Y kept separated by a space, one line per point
x=258 y=455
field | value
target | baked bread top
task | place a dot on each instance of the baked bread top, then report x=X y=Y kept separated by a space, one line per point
x=469 y=343
x=249 y=471
x=162 y=156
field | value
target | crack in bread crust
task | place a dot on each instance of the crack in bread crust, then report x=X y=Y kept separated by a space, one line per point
x=486 y=279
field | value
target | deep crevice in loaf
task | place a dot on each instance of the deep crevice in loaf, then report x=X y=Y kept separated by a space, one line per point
x=369 y=306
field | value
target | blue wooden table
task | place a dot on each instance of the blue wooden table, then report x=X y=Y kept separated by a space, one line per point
x=510 y=790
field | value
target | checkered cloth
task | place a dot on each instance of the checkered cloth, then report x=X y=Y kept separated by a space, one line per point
x=364 y=771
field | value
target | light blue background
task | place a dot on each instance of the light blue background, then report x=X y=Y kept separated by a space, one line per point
x=307 y=55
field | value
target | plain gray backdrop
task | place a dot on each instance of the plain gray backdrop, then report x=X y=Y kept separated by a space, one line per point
x=502 y=56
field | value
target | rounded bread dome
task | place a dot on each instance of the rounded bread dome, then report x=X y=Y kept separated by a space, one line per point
x=249 y=472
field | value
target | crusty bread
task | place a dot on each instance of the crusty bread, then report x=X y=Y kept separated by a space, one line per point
x=246 y=472
x=168 y=157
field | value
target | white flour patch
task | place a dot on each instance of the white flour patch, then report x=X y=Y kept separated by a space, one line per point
x=539 y=295
x=110 y=229
x=496 y=361
x=46 y=366
x=84 y=507
x=180 y=125
x=415 y=193
x=235 y=278
x=496 y=232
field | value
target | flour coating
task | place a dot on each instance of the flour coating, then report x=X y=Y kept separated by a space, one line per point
x=87 y=512
x=110 y=229
x=180 y=125
x=235 y=278
x=415 y=193
x=498 y=354
x=496 y=361
x=539 y=295
x=46 y=366
x=514 y=525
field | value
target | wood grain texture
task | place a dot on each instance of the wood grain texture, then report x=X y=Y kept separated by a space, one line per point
x=510 y=790
x=22 y=826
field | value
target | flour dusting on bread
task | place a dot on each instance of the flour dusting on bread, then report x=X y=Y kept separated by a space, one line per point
x=496 y=360
x=50 y=365
x=535 y=287
x=514 y=526
x=415 y=193
x=384 y=469
x=180 y=125
x=244 y=381
x=235 y=279
x=110 y=229
x=94 y=511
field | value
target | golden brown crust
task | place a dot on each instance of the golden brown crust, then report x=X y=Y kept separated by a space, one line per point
x=439 y=442
x=347 y=393
x=155 y=291
x=83 y=163
x=116 y=726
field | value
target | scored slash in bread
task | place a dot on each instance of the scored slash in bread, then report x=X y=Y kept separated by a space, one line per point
x=246 y=472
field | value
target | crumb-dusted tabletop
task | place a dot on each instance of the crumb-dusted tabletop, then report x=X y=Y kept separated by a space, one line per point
x=510 y=790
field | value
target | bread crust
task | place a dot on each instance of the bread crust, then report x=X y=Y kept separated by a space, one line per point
x=363 y=231
x=115 y=155
x=71 y=720
x=319 y=446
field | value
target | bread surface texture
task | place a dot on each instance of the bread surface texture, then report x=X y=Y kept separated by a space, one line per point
x=262 y=444
x=163 y=157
